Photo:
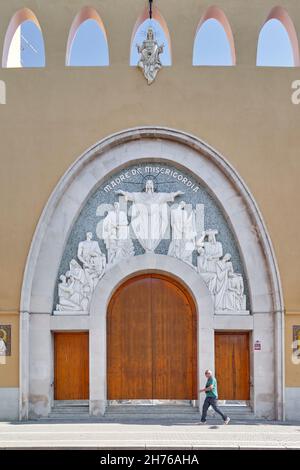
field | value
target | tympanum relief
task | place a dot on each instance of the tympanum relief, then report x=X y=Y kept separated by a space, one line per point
x=141 y=221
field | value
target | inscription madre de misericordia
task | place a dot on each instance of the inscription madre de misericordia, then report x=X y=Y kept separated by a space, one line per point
x=150 y=209
x=151 y=171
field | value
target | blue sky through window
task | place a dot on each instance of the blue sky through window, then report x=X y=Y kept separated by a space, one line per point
x=160 y=37
x=32 y=45
x=89 y=48
x=211 y=45
x=274 y=46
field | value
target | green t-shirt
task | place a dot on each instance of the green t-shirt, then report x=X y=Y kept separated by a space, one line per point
x=214 y=392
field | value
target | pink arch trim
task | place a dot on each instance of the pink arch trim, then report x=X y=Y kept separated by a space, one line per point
x=86 y=13
x=156 y=15
x=280 y=14
x=216 y=13
x=18 y=18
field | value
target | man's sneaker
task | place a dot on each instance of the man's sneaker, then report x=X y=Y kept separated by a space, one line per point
x=227 y=420
x=202 y=422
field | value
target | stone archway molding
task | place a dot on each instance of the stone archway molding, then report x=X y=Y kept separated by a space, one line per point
x=83 y=177
x=142 y=264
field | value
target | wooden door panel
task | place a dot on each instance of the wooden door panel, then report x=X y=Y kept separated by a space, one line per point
x=232 y=364
x=129 y=338
x=151 y=341
x=71 y=368
x=174 y=340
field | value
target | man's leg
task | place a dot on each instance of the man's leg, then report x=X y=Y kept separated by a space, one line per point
x=214 y=404
x=206 y=405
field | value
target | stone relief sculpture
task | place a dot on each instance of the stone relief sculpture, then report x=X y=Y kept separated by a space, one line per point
x=69 y=298
x=184 y=233
x=93 y=260
x=150 y=218
x=229 y=287
x=151 y=221
x=212 y=249
x=149 y=60
x=209 y=277
x=226 y=286
x=116 y=235
x=76 y=287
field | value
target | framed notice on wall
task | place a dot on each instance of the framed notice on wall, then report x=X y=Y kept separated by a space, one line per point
x=5 y=340
x=296 y=340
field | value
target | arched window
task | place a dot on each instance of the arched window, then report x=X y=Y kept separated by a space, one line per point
x=161 y=32
x=24 y=43
x=87 y=43
x=214 y=43
x=278 y=42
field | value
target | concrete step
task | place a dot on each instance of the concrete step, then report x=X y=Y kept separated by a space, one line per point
x=236 y=408
x=235 y=412
x=151 y=410
x=72 y=403
x=179 y=419
x=177 y=412
x=77 y=410
x=77 y=416
x=146 y=412
x=70 y=409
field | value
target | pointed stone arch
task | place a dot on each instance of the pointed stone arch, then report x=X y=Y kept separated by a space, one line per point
x=158 y=17
x=280 y=14
x=215 y=13
x=75 y=187
x=85 y=14
x=22 y=15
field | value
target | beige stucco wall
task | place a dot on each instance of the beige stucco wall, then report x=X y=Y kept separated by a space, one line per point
x=52 y=115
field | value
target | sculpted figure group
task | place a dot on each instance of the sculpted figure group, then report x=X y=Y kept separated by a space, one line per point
x=77 y=285
x=226 y=286
x=150 y=222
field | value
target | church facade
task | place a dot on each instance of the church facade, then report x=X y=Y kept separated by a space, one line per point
x=146 y=212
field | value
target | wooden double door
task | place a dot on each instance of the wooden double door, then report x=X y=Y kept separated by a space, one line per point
x=151 y=341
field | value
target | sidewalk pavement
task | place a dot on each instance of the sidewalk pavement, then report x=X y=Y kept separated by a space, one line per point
x=148 y=435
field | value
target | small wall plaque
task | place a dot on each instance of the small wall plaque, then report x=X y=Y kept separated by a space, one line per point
x=296 y=341
x=5 y=340
x=257 y=346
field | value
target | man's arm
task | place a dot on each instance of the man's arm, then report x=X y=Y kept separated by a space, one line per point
x=206 y=389
x=210 y=386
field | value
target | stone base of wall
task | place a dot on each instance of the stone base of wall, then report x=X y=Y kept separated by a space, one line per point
x=292 y=403
x=9 y=404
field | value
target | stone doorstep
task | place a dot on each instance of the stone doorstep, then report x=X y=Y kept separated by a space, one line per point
x=79 y=410
x=70 y=409
x=62 y=403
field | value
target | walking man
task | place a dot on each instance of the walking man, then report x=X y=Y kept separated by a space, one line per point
x=211 y=397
